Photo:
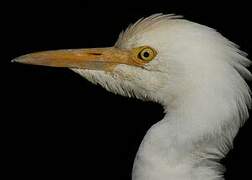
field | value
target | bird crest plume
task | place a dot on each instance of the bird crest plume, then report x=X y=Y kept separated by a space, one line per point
x=142 y=25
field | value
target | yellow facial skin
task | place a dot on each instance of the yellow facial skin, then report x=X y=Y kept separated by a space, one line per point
x=94 y=58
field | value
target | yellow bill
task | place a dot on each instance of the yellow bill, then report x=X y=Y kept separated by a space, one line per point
x=94 y=58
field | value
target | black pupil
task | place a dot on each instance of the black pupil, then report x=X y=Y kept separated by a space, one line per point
x=146 y=54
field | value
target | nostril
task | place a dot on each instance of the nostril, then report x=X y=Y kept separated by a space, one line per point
x=94 y=53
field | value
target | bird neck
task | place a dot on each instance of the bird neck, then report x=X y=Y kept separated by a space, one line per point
x=187 y=143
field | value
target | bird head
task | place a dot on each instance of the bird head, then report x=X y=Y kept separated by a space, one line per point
x=159 y=58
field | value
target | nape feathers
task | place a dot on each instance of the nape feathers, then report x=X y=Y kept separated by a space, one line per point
x=199 y=78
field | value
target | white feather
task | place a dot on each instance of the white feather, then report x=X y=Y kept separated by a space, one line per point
x=198 y=76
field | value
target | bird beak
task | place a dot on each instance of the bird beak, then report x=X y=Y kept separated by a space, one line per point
x=94 y=59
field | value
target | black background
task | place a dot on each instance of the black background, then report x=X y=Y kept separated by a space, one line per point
x=58 y=125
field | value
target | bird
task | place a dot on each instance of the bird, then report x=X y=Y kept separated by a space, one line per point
x=193 y=71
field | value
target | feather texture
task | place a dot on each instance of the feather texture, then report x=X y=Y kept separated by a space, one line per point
x=199 y=78
x=143 y=24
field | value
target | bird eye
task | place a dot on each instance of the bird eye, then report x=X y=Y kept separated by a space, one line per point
x=146 y=54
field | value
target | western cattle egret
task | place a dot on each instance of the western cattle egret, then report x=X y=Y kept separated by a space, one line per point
x=192 y=70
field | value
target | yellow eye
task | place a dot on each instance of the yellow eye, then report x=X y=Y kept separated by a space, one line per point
x=146 y=53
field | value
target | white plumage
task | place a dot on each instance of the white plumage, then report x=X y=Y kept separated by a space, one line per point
x=198 y=77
